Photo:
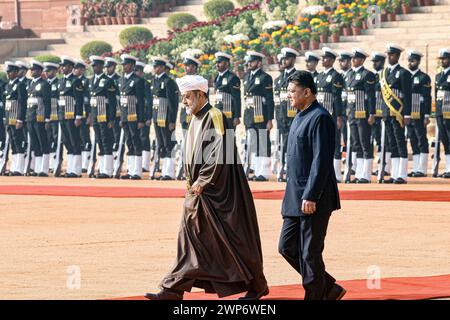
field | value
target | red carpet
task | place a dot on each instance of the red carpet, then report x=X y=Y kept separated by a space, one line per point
x=411 y=288
x=151 y=192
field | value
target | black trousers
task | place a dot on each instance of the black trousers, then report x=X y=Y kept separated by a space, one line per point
x=52 y=136
x=116 y=134
x=71 y=137
x=85 y=136
x=263 y=144
x=132 y=138
x=145 y=138
x=444 y=132
x=38 y=138
x=164 y=141
x=376 y=133
x=17 y=139
x=361 y=133
x=104 y=138
x=284 y=134
x=417 y=135
x=396 y=138
x=2 y=133
x=355 y=143
x=301 y=243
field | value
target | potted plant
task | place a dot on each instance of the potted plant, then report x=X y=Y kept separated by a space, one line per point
x=335 y=33
x=314 y=42
x=406 y=6
x=120 y=12
x=428 y=2
x=356 y=27
x=390 y=11
x=323 y=29
x=132 y=12
x=305 y=36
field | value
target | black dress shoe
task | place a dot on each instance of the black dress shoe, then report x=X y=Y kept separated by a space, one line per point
x=419 y=174
x=145 y=170
x=261 y=179
x=390 y=180
x=83 y=170
x=42 y=174
x=336 y=293
x=446 y=175
x=363 y=181
x=166 y=178
x=102 y=176
x=135 y=177
x=164 y=295
x=354 y=180
x=125 y=177
x=253 y=295
x=32 y=174
x=15 y=174
x=411 y=174
x=281 y=180
x=400 y=181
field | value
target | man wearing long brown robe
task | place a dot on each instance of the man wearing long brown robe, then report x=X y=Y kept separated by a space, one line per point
x=219 y=247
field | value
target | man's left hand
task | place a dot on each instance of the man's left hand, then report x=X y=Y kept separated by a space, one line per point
x=140 y=125
x=308 y=207
x=77 y=122
x=269 y=125
x=426 y=121
x=197 y=189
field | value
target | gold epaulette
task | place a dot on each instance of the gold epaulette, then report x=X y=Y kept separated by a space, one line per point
x=217 y=118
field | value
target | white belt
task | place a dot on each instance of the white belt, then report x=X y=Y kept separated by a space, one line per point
x=62 y=102
x=32 y=101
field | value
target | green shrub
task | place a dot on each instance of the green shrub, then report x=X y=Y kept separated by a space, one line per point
x=48 y=58
x=180 y=20
x=214 y=9
x=3 y=76
x=96 y=48
x=134 y=35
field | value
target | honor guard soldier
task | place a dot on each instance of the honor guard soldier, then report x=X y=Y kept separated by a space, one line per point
x=361 y=103
x=345 y=64
x=145 y=131
x=23 y=70
x=276 y=161
x=287 y=113
x=191 y=65
x=15 y=96
x=38 y=118
x=312 y=60
x=103 y=103
x=259 y=111
x=51 y=69
x=378 y=60
x=329 y=94
x=71 y=102
x=420 y=115
x=442 y=95
x=110 y=67
x=165 y=110
x=228 y=90
x=79 y=71
x=396 y=88
x=132 y=113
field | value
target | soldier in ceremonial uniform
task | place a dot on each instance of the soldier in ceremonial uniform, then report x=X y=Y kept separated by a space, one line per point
x=259 y=111
x=312 y=60
x=2 y=114
x=287 y=113
x=86 y=122
x=345 y=64
x=110 y=67
x=228 y=90
x=51 y=69
x=23 y=70
x=329 y=86
x=396 y=86
x=442 y=96
x=38 y=118
x=145 y=131
x=15 y=95
x=191 y=65
x=71 y=101
x=378 y=60
x=165 y=110
x=103 y=103
x=360 y=88
x=420 y=114
x=132 y=115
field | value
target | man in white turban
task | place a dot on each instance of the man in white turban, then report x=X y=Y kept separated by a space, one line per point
x=219 y=247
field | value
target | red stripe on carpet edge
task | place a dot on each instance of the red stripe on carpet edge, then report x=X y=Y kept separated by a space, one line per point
x=152 y=192
x=404 y=288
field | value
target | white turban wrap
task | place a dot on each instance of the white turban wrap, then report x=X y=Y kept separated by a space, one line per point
x=192 y=83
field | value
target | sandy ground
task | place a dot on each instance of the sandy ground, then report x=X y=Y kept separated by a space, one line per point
x=122 y=247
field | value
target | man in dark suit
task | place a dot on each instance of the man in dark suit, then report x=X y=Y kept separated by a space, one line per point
x=311 y=191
